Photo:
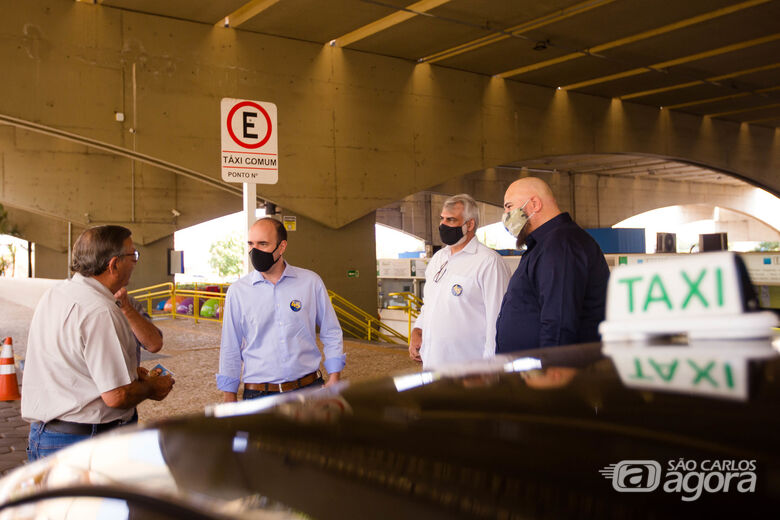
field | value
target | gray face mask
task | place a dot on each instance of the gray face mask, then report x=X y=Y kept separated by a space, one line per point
x=516 y=219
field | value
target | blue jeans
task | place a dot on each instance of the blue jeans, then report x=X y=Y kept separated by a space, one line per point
x=254 y=394
x=42 y=443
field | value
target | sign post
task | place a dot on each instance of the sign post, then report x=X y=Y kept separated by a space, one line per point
x=249 y=151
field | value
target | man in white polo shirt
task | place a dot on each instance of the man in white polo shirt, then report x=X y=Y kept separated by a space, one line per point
x=464 y=285
x=81 y=373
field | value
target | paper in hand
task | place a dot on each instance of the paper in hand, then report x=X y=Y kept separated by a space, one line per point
x=163 y=371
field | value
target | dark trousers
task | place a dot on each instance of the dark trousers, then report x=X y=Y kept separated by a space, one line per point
x=42 y=443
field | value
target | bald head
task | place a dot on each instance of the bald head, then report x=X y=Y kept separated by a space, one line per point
x=530 y=187
x=540 y=204
x=269 y=224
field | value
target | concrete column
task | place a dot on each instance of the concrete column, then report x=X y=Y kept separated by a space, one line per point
x=50 y=263
x=152 y=267
x=331 y=253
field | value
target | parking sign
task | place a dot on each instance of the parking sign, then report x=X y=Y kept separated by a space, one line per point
x=249 y=145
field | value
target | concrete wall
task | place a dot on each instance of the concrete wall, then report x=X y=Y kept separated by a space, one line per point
x=152 y=266
x=50 y=263
x=25 y=291
x=356 y=131
x=600 y=201
x=331 y=253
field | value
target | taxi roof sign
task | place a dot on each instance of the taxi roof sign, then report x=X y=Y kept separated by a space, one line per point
x=709 y=367
x=705 y=295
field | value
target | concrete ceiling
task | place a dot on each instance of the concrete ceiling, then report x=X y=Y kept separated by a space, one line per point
x=716 y=58
x=625 y=166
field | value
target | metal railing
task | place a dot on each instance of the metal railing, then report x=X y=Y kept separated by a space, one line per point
x=164 y=300
x=412 y=305
x=360 y=324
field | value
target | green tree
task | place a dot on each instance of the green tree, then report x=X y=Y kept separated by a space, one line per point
x=227 y=256
x=768 y=246
x=6 y=228
x=7 y=263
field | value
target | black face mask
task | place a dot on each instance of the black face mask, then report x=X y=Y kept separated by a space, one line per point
x=450 y=235
x=261 y=260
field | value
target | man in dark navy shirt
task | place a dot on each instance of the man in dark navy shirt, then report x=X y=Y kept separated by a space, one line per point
x=558 y=293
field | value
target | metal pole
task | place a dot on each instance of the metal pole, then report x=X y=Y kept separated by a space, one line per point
x=70 y=240
x=250 y=210
x=132 y=161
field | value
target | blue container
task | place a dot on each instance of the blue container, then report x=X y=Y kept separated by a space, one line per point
x=509 y=252
x=619 y=240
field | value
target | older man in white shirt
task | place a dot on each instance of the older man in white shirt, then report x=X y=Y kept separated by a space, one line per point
x=82 y=375
x=464 y=285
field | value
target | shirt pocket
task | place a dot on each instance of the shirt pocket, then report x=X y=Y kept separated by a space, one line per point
x=461 y=286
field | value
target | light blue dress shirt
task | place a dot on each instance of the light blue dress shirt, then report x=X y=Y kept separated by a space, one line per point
x=271 y=330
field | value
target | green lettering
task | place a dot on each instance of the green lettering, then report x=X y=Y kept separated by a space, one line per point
x=630 y=283
x=670 y=368
x=729 y=375
x=693 y=289
x=703 y=373
x=639 y=374
x=663 y=297
x=719 y=285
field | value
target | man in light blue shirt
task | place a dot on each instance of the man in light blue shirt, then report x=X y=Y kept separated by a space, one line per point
x=269 y=323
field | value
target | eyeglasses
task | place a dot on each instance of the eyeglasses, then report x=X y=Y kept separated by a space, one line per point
x=135 y=254
x=440 y=273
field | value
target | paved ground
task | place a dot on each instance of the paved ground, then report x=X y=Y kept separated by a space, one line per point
x=191 y=352
x=13 y=437
x=14 y=322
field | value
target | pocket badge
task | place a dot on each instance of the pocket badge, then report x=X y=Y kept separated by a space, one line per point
x=296 y=305
x=457 y=289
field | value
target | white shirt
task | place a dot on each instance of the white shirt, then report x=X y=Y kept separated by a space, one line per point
x=80 y=346
x=458 y=317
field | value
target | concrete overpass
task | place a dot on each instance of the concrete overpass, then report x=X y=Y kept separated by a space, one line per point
x=358 y=129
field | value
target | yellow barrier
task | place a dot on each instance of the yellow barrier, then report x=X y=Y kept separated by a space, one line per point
x=169 y=291
x=148 y=294
x=360 y=324
x=354 y=320
x=412 y=305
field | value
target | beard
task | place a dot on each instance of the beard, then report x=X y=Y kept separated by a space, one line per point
x=521 y=237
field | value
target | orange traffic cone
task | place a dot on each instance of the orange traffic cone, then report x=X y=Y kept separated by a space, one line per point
x=9 y=386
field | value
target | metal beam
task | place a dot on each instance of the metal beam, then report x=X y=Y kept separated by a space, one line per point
x=722 y=98
x=763 y=119
x=729 y=112
x=245 y=12
x=515 y=31
x=658 y=31
x=713 y=79
x=677 y=61
x=399 y=16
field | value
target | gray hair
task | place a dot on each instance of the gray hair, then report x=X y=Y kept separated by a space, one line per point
x=95 y=248
x=470 y=208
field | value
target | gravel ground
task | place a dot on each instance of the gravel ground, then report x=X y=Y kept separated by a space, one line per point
x=191 y=352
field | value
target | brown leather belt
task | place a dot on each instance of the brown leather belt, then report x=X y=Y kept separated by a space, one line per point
x=284 y=387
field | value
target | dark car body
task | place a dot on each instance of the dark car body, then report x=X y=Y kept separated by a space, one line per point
x=561 y=432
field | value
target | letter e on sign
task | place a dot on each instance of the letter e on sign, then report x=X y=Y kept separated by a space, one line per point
x=249 y=150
